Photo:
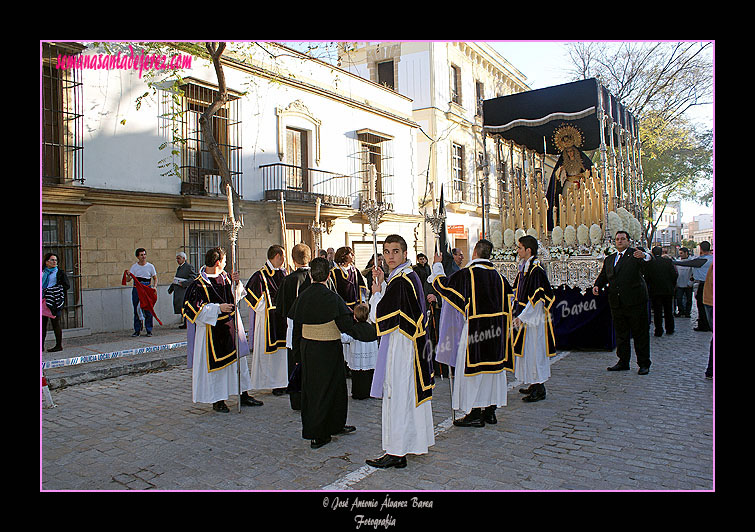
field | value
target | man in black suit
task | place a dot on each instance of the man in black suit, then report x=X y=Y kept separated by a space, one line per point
x=660 y=276
x=628 y=298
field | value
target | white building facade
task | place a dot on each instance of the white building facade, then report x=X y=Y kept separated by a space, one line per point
x=115 y=177
x=668 y=232
x=447 y=82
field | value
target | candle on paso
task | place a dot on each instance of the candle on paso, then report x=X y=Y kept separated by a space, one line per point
x=317 y=211
x=230 y=201
x=371 y=184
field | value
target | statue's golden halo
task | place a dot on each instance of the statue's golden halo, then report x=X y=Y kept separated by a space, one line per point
x=567 y=136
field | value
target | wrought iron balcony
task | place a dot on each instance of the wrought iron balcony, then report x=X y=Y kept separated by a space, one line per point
x=300 y=184
x=464 y=191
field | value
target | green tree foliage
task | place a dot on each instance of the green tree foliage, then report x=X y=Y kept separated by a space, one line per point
x=660 y=83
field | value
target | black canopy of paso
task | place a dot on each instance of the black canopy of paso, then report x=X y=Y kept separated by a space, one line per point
x=530 y=118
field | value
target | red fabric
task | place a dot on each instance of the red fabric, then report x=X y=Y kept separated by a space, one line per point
x=46 y=309
x=147 y=294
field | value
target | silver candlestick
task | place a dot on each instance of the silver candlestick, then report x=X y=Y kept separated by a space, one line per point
x=317 y=229
x=373 y=211
x=436 y=221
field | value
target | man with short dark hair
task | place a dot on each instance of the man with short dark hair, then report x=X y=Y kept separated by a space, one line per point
x=143 y=272
x=319 y=317
x=534 y=339
x=267 y=328
x=621 y=277
x=660 y=276
x=683 y=287
x=403 y=375
x=215 y=335
x=474 y=335
x=700 y=267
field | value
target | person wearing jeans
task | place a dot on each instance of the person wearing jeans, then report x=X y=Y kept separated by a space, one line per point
x=146 y=274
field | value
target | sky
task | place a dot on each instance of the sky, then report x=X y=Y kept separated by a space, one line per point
x=545 y=64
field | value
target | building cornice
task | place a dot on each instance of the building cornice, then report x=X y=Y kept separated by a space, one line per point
x=318 y=90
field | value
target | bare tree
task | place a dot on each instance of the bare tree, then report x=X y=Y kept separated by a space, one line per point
x=205 y=121
x=663 y=78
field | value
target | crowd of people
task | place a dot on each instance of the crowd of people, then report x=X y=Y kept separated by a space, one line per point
x=394 y=327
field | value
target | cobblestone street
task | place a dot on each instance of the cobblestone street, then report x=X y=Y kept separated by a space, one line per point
x=596 y=430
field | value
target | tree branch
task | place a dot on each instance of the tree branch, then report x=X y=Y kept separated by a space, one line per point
x=205 y=120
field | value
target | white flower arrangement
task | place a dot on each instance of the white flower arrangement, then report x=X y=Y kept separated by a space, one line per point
x=601 y=251
x=504 y=254
x=557 y=236
x=531 y=232
x=583 y=235
x=635 y=229
x=561 y=252
x=626 y=218
x=570 y=235
x=614 y=223
x=508 y=238
x=596 y=234
x=519 y=234
x=496 y=238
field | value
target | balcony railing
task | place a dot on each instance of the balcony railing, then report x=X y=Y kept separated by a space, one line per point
x=305 y=184
x=464 y=191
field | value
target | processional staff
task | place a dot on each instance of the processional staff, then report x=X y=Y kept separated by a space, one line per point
x=436 y=221
x=373 y=210
x=232 y=226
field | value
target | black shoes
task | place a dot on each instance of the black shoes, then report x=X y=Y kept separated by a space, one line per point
x=388 y=460
x=248 y=400
x=279 y=391
x=220 y=406
x=478 y=417
x=644 y=370
x=473 y=419
x=317 y=443
x=534 y=392
x=537 y=394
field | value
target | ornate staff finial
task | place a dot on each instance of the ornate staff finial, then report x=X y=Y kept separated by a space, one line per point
x=373 y=211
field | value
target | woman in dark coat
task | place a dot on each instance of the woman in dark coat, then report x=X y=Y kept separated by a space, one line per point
x=54 y=287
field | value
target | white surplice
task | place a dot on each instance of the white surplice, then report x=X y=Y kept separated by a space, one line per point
x=472 y=391
x=268 y=370
x=534 y=366
x=406 y=427
x=475 y=391
x=218 y=385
